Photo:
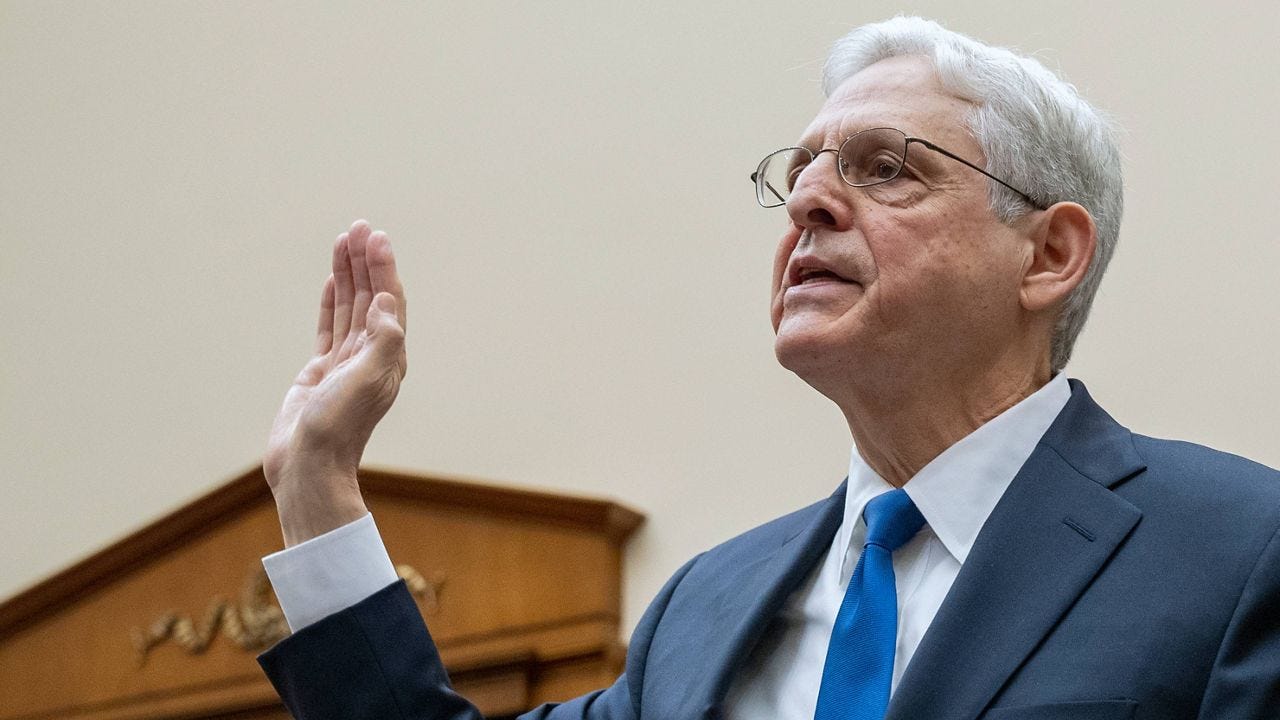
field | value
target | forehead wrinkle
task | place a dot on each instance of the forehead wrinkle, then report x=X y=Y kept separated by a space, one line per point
x=902 y=92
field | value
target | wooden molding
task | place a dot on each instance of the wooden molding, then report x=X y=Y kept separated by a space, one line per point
x=615 y=521
x=178 y=527
x=522 y=589
x=198 y=516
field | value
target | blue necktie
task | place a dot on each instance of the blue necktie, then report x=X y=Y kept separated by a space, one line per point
x=859 y=669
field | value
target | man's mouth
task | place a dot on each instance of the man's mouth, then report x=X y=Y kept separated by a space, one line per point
x=810 y=276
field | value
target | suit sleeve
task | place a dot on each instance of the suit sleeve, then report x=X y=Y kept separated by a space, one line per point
x=1245 y=682
x=376 y=661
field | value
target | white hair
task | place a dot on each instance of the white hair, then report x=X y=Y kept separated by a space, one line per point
x=1035 y=130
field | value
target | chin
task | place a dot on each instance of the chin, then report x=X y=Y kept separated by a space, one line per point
x=822 y=368
x=809 y=353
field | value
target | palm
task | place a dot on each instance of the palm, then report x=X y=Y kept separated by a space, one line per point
x=351 y=381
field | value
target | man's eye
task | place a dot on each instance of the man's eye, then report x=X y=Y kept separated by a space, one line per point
x=882 y=166
x=872 y=168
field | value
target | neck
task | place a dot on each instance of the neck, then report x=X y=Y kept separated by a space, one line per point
x=899 y=427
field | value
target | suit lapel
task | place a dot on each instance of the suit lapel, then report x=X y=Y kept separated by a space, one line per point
x=1048 y=537
x=747 y=600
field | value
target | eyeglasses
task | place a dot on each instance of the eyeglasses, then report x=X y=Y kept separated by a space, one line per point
x=869 y=157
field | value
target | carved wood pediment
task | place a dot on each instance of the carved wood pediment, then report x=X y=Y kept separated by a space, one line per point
x=521 y=590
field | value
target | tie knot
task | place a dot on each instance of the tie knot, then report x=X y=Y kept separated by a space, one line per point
x=892 y=519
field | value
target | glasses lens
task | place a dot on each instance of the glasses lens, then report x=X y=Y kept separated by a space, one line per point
x=873 y=156
x=777 y=174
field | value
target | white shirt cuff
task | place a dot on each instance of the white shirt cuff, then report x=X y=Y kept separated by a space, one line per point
x=330 y=572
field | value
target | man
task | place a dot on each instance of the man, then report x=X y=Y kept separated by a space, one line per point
x=1001 y=549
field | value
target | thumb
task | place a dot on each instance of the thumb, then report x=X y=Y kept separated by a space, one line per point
x=383 y=327
x=383 y=302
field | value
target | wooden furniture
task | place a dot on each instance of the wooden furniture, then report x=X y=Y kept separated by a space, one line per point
x=520 y=589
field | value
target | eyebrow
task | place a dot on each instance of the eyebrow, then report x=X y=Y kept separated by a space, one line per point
x=845 y=135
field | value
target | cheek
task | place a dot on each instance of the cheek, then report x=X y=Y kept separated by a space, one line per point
x=781 y=257
x=917 y=271
x=947 y=277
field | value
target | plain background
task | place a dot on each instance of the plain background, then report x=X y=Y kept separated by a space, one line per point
x=565 y=185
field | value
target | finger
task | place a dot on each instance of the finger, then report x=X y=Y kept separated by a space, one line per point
x=382 y=272
x=344 y=294
x=358 y=236
x=324 y=331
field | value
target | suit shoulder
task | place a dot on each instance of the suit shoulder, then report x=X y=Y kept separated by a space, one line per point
x=1207 y=479
x=1189 y=461
x=773 y=533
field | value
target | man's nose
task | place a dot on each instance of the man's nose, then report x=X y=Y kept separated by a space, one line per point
x=820 y=197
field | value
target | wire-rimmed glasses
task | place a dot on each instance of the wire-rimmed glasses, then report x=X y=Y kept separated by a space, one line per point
x=869 y=157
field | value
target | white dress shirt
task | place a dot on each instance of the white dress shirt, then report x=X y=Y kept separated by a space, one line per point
x=955 y=492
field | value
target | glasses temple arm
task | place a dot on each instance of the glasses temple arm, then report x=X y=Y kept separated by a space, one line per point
x=766 y=184
x=957 y=158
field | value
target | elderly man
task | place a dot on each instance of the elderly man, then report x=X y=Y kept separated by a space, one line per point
x=1001 y=548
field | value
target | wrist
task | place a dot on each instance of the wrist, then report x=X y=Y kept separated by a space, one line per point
x=312 y=504
x=300 y=526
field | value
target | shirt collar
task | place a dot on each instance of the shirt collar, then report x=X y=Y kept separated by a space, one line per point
x=959 y=488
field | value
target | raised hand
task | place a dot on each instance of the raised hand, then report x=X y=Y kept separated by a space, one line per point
x=343 y=391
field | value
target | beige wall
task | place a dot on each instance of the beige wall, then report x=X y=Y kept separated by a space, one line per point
x=566 y=187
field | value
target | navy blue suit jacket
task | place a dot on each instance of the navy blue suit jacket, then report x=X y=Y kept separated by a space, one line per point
x=1118 y=577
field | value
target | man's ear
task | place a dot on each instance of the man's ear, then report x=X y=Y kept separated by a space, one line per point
x=1064 y=238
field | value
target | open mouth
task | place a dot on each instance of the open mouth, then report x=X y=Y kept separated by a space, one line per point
x=816 y=276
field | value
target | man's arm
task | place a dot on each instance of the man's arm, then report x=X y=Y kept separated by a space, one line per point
x=372 y=657
x=1245 y=682
x=350 y=382
x=329 y=573
x=376 y=661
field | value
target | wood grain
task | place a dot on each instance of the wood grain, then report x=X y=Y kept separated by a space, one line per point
x=527 y=608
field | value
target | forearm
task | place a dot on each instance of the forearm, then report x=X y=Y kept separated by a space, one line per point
x=312 y=499
x=372 y=661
